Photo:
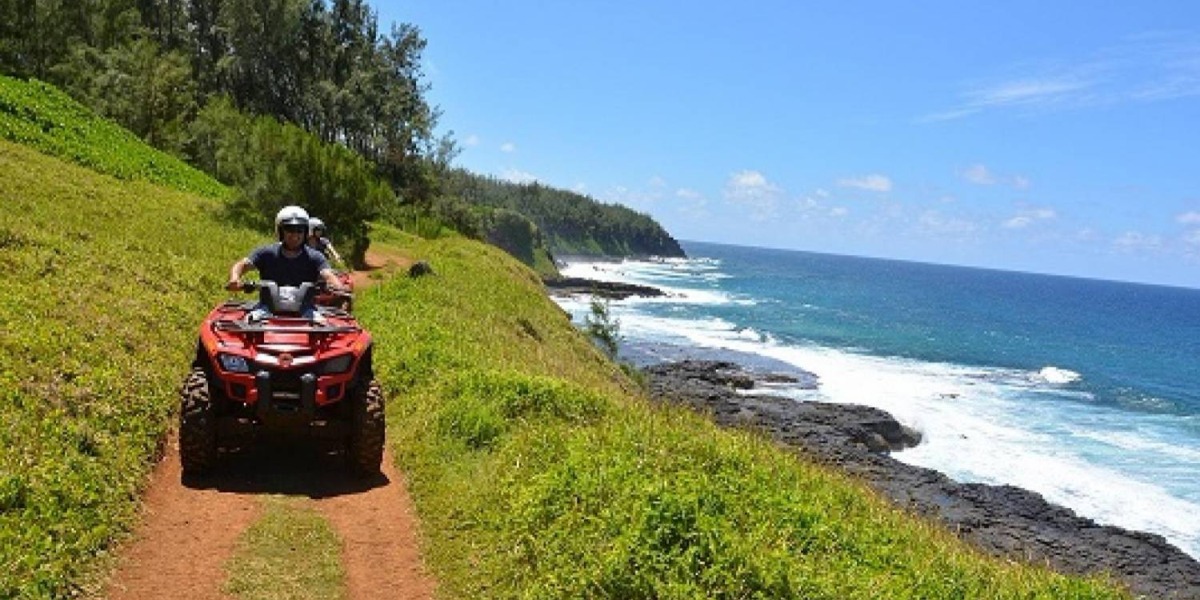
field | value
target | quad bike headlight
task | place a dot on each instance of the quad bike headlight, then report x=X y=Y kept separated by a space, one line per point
x=340 y=364
x=234 y=363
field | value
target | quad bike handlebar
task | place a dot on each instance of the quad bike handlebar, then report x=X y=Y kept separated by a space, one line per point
x=321 y=287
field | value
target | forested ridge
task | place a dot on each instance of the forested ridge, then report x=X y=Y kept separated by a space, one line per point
x=570 y=223
x=299 y=101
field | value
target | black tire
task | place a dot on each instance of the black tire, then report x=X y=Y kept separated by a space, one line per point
x=197 y=425
x=364 y=449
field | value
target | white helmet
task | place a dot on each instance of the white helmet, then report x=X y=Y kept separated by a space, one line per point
x=290 y=215
x=315 y=225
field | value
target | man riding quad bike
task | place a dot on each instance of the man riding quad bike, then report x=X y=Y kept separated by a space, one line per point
x=281 y=365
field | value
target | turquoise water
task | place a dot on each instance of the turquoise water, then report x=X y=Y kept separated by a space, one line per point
x=1084 y=391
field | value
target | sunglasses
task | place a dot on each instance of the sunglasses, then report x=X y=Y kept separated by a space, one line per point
x=295 y=229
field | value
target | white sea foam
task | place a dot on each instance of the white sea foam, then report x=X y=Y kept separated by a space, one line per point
x=980 y=424
x=1136 y=444
x=1058 y=375
x=652 y=274
x=978 y=429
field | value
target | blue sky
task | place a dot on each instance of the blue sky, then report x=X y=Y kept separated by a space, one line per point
x=1053 y=137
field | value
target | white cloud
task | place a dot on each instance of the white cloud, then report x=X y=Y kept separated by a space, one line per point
x=508 y=147
x=1189 y=218
x=948 y=115
x=1036 y=92
x=1027 y=92
x=1192 y=238
x=1172 y=66
x=1136 y=241
x=692 y=204
x=1146 y=68
x=655 y=195
x=815 y=205
x=752 y=190
x=471 y=141
x=872 y=183
x=934 y=222
x=1027 y=217
x=979 y=174
x=518 y=176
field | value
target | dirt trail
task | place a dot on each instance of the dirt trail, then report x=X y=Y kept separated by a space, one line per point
x=190 y=528
x=184 y=539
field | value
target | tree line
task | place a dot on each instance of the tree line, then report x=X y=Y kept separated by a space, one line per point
x=566 y=222
x=297 y=101
x=290 y=101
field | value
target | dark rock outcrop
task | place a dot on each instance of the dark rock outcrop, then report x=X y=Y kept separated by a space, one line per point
x=1002 y=520
x=567 y=286
x=420 y=268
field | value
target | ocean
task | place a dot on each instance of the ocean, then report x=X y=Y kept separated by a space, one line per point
x=1085 y=391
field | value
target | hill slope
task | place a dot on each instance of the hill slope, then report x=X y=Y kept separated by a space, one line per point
x=538 y=469
x=41 y=116
x=105 y=283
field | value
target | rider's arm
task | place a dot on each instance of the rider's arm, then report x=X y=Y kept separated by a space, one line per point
x=331 y=279
x=236 y=272
x=333 y=253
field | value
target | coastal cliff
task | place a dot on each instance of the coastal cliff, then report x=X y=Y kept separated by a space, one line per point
x=1002 y=520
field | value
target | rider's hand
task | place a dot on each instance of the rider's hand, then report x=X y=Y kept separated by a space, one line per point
x=233 y=285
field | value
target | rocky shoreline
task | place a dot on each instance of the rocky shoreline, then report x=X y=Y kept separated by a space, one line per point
x=570 y=286
x=1002 y=520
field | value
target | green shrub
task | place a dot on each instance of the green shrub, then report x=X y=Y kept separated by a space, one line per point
x=39 y=115
x=275 y=164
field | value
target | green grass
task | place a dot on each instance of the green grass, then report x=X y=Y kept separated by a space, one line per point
x=41 y=116
x=537 y=468
x=539 y=472
x=291 y=553
x=105 y=284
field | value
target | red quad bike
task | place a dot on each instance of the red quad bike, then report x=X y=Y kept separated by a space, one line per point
x=281 y=373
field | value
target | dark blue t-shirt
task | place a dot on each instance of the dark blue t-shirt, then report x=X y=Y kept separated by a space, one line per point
x=272 y=265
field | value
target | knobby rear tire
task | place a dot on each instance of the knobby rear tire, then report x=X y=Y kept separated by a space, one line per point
x=364 y=449
x=197 y=425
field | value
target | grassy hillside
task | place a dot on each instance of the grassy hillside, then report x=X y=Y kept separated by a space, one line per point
x=105 y=283
x=539 y=472
x=537 y=468
x=41 y=116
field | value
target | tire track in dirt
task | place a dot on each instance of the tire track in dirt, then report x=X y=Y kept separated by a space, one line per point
x=184 y=539
x=191 y=527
